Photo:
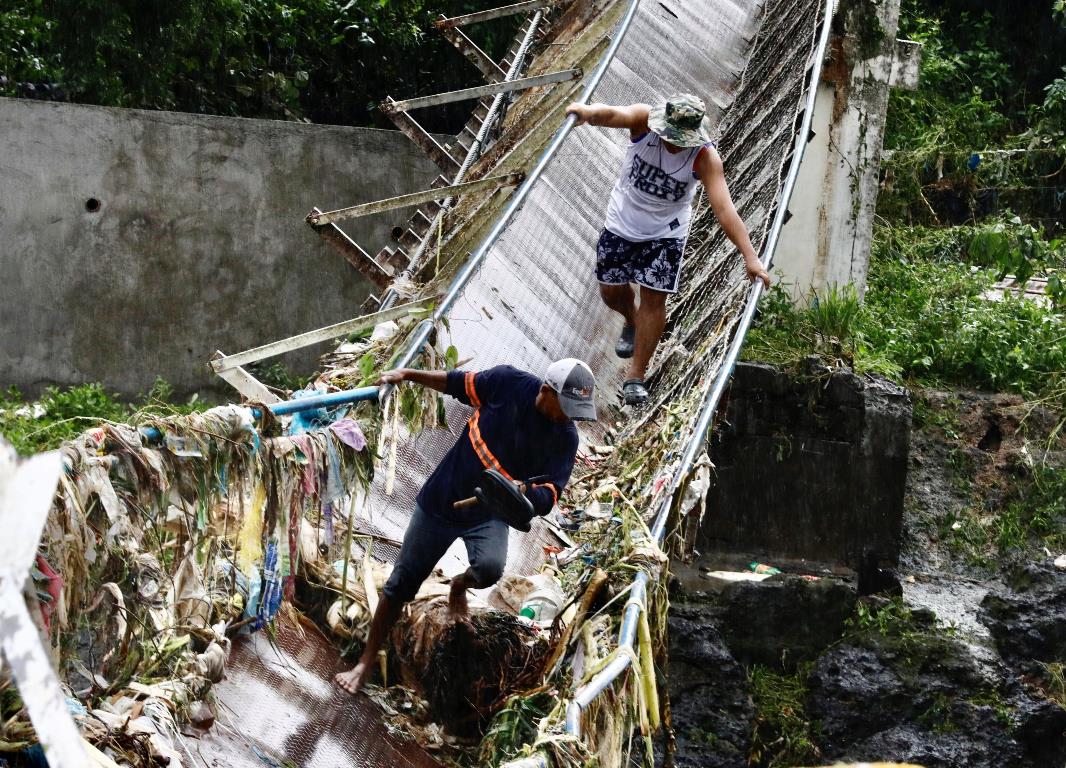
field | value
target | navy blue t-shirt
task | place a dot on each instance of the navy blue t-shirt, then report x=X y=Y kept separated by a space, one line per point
x=506 y=433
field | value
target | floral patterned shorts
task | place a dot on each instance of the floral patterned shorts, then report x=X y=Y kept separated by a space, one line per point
x=655 y=264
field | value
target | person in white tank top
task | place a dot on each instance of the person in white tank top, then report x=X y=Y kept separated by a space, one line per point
x=648 y=217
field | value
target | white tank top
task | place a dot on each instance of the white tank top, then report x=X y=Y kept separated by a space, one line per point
x=652 y=198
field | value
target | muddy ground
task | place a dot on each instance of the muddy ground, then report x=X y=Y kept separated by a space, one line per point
x=957 y=662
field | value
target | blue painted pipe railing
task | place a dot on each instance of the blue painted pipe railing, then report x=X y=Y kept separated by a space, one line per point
x=154 y=435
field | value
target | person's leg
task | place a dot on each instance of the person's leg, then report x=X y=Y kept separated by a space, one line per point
x=424 y=543
x=385 y=617
x=657 y=270
x=651 y=320
x=614 y=273
x=622 y=299
x=486 y=549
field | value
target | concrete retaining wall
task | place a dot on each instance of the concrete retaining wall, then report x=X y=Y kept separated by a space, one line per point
x=196 y=241
x=809 y=466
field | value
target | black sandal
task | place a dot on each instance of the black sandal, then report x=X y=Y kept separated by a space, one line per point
x=624 y=347
x=634 y=392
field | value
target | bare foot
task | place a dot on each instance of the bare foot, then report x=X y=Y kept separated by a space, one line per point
x=352 y=680
x=457 y=600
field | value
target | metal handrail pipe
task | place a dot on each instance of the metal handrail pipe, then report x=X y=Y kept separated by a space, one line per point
x=695 y=446
x=627 y=635
x=328 y=400
x=703 y=424
x=517 y=199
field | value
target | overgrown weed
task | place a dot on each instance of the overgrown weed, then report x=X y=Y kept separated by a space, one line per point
x=61 y=414
x=782 y=735
x=926 y=321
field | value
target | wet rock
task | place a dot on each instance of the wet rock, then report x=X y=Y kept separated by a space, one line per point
x=854 y=694
x=1027 y=619
x=1040 y=727
x=783 y=620
x=201 y=715
x=910 y=744
x=711 y=706
x=919 y=696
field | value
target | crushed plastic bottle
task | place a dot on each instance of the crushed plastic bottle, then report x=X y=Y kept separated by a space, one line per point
x=544 y=602
x=763 y=568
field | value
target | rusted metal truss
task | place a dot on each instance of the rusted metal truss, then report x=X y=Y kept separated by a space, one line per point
x=379 y=273
x=317 y=218
x=280 y=347
x=489 y=68
x=504 y=86
x=493 y=13
x=248 y=385
x=420 y=136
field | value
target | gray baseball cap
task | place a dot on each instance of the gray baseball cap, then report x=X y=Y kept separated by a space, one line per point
x=576 y=385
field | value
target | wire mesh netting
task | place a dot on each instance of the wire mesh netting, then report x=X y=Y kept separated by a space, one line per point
x=535 y=299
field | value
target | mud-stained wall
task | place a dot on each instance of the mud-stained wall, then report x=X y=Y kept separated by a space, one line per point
x=827 y=240
x=133 y=244
x=809 y=465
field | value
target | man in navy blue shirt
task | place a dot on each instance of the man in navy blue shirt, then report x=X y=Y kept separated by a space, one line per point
x=522 y=427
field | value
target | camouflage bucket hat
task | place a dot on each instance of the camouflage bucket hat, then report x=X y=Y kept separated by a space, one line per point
x=682 y=121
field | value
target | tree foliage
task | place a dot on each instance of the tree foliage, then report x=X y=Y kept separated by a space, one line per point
x=986 y=67
x=326 y=61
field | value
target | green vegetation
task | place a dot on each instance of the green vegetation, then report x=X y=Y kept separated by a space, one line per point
x=514 y=726
x=327 y=61
x=924 y=320
x=278 y=376
x=989 y=71
x=1034 y=514
x=986 y=128
x=1055 y=681
x=914 y=638
x=62 y=414
x=782 y=735
x=984 y=132
x=919 y=646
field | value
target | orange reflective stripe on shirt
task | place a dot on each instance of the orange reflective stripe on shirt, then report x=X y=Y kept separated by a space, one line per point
x=488 y=460
x=471 y=390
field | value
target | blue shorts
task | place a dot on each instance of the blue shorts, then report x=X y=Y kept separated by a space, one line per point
x=427 y=539
x=655 y=264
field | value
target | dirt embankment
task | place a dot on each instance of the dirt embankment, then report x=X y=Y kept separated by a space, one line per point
x=966 y=668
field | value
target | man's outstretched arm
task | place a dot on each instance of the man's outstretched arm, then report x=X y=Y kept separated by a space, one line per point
x=634 y=117
x=712 y=173
x=433 y=379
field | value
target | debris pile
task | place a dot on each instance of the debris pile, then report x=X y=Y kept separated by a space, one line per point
x=467 y=669
x=164 y=541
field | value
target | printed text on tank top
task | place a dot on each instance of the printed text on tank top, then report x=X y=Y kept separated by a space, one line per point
x=652 y=197
x=657 y=182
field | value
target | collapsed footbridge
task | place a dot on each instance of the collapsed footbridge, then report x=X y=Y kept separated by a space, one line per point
x=224 y=508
